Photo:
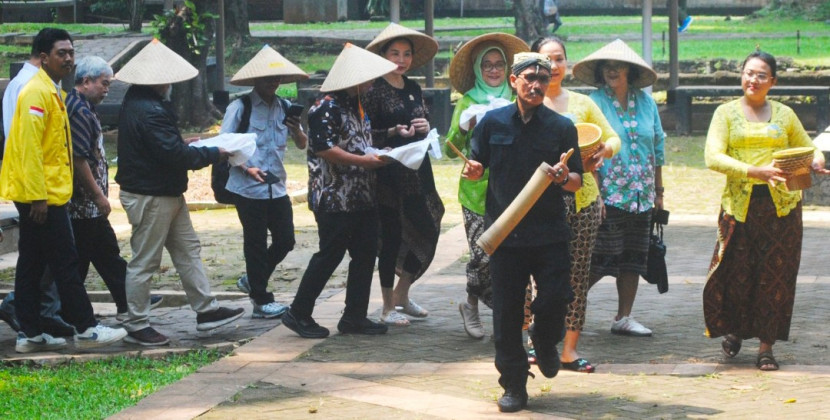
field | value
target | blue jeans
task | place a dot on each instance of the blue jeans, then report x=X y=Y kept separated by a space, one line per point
x=52 y=245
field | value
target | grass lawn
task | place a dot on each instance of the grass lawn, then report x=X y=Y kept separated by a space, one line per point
x=91 y=390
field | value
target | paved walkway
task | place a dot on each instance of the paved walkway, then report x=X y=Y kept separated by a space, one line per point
x=433 y=370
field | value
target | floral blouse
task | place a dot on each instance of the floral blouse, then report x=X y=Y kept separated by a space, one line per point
x=735 y=144
x=628 y=180
x=335 y=120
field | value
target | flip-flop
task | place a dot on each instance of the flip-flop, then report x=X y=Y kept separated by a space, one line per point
x=579 y=365
x=395 y=319
x=766 y=361
x=731 y=346
x=413 y=309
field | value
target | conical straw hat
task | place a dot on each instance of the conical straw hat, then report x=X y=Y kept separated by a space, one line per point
x=425 y=46
x=618 y=51
x=267 y=63
x=462 y=76
x=156 y=64
x=355 y=66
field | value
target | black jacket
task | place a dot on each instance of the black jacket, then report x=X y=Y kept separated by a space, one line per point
x=152 y=156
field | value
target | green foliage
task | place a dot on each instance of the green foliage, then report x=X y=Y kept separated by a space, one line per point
x=114 y=8
x=817 y=10
x=91 y=390
x=194 y=24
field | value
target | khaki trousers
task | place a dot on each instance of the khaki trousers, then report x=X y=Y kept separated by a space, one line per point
x=160 y=222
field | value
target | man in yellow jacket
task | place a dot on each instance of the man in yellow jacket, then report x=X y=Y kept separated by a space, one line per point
x=37 y=175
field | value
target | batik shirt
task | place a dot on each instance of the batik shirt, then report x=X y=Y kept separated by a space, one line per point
x=337 y=120
x=87 y=144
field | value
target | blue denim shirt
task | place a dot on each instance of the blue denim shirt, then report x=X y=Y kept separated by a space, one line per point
x=271 y=140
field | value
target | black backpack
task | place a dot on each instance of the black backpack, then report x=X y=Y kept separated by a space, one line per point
x=220 y=172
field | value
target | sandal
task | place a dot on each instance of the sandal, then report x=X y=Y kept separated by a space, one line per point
x=766 y=361
x=731 y=345
x=394 y=318
x=579 y=365
x=412 y=309
x=531 y=356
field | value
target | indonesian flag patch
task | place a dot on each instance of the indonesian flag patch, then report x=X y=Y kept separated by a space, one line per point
x=36 y=111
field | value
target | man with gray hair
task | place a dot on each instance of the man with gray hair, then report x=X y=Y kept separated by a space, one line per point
x=89 y=206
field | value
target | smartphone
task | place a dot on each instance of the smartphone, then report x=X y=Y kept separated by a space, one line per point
x=271 y=178
x=295 y=110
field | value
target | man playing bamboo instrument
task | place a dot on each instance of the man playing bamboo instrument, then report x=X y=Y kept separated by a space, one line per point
x=513 y=142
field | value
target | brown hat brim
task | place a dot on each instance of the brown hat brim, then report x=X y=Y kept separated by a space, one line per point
x=462 y=76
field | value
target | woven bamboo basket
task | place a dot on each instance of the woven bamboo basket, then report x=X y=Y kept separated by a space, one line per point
x=589 y=139
x=795 y=162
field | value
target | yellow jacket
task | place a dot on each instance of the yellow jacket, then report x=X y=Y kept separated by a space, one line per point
x=37 y=164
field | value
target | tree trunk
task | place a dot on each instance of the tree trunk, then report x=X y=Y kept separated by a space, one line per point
x=529 y=22
x=136 y=14
x=236 y=19
x=190 y=99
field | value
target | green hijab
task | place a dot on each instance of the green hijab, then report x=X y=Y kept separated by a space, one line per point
x=481 y=91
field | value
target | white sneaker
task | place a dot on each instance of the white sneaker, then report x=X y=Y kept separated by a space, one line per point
x=629 y=326
x=98 y=336
x=42 y=342
x=472 y=321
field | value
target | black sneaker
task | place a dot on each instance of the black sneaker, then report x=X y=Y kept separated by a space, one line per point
x=215 y=319
x=306 y=328
x=364 y=326
x=147 y=337
x=512 y=401
x=56 y=327
x=547 y=357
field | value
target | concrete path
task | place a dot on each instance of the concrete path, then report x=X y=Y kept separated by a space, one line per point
x=432 y=369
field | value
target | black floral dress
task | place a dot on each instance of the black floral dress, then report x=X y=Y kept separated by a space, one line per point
x=409 y=205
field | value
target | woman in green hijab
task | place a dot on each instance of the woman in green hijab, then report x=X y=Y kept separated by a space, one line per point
x=479 y=69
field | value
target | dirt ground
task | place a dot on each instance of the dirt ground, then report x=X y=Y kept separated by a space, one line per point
x=221 y=237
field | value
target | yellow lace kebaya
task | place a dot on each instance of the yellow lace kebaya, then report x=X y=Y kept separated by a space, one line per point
x=734 y=144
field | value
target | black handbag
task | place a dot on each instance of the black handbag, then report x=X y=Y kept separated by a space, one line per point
x=656 y=272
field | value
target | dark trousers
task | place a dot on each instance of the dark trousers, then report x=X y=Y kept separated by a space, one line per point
x=510 y=270
x=416 y=212
x=97 y=244
x=49 y=244
x=356 y=232
x=258 y=217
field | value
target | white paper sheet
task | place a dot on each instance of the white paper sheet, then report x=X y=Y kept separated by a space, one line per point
x=477 y=111
x=411 y=155
x=242 y=146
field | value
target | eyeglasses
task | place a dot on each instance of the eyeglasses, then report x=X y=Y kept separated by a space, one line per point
x=533 y=78
x=488 y=67
x=761 y=77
